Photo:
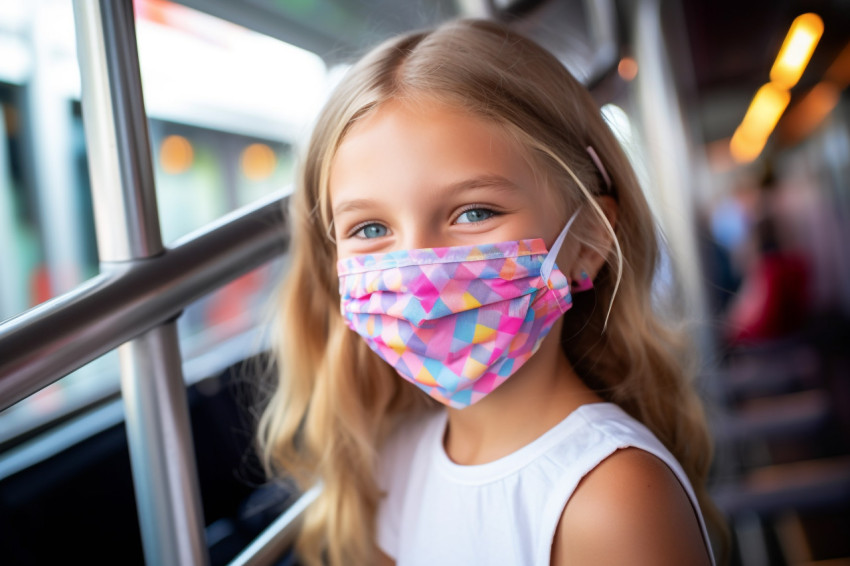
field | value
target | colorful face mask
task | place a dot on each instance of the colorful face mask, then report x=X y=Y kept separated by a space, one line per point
x=457 y=321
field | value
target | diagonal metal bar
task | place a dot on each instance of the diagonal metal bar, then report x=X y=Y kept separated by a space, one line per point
x=52 y=340
x=279 y=536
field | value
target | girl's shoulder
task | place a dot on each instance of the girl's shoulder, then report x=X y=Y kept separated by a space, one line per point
x=631 y=508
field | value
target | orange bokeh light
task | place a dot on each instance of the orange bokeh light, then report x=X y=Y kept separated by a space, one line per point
x=176 y=155
x=258 y=161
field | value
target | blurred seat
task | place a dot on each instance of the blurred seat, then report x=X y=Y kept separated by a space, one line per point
x=798 y=486
x=770 y=369
x=783 y=449
x=781 y=417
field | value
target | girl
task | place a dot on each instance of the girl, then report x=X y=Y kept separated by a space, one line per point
x=468 y=358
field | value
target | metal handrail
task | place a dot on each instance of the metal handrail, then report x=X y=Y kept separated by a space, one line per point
x=279 y=536
x=47 y=342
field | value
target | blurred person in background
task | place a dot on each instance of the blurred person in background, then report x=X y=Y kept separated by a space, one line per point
x=774 y=297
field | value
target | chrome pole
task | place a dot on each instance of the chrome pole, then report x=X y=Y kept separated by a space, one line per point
x=127 y=223
x=671 y=159
x=116 y=127
x=161 y=450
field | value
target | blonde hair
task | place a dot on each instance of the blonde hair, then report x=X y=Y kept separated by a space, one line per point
x=335 y=400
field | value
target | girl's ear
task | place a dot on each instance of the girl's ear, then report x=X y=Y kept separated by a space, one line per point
x=599 y=243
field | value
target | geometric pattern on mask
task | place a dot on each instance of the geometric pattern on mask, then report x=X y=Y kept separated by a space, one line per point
x=455 y=321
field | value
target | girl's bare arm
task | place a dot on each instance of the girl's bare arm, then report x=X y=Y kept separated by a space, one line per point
x=630 y=509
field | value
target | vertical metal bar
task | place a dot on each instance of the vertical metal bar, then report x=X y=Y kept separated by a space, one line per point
x=671 y=158
x=602 y=28
x=127 y=222
x=161 y=450
x=117 y=138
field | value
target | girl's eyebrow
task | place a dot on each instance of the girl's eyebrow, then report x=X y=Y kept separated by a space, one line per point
x=497 y=182
x=353 y=205
x=484 y=181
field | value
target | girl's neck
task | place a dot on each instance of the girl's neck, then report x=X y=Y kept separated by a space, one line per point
x=533 y=400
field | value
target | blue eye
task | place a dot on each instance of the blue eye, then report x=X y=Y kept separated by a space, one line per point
x=474 y=215
x=371 y=231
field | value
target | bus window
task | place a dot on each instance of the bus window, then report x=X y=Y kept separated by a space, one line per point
x=226 y=105
x=47 y=238
x=96 y=380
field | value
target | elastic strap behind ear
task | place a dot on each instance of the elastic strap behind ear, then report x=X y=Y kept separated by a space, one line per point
x=598 y=162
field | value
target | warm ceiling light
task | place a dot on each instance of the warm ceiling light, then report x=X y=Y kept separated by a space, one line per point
x=743 y=149
x=764 y=112
x=796 y=50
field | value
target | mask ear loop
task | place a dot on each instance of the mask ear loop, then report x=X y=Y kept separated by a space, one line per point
x=599 y=166
x=549 y=261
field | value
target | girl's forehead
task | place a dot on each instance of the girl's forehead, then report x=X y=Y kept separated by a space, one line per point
x=426 y=134
x=420 y=119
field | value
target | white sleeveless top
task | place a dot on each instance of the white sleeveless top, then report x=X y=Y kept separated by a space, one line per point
x=502 y=512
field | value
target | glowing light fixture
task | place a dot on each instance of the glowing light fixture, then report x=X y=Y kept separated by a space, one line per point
x=744 y=149
x=766 y=108
x=176 y=154
x=796 y=50
x=764 y=112
x=772 y=99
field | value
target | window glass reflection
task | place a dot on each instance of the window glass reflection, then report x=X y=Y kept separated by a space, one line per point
x=226 y=105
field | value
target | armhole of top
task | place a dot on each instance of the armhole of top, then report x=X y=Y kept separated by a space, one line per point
x=565 y=491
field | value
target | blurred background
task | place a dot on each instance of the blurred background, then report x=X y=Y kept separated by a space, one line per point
x=735 y=115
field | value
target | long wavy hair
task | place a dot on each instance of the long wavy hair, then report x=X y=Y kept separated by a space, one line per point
x=335 y=400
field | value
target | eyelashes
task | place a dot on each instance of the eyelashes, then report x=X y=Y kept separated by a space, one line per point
x=475 y=214
x=368 y=230
x=470 y=214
